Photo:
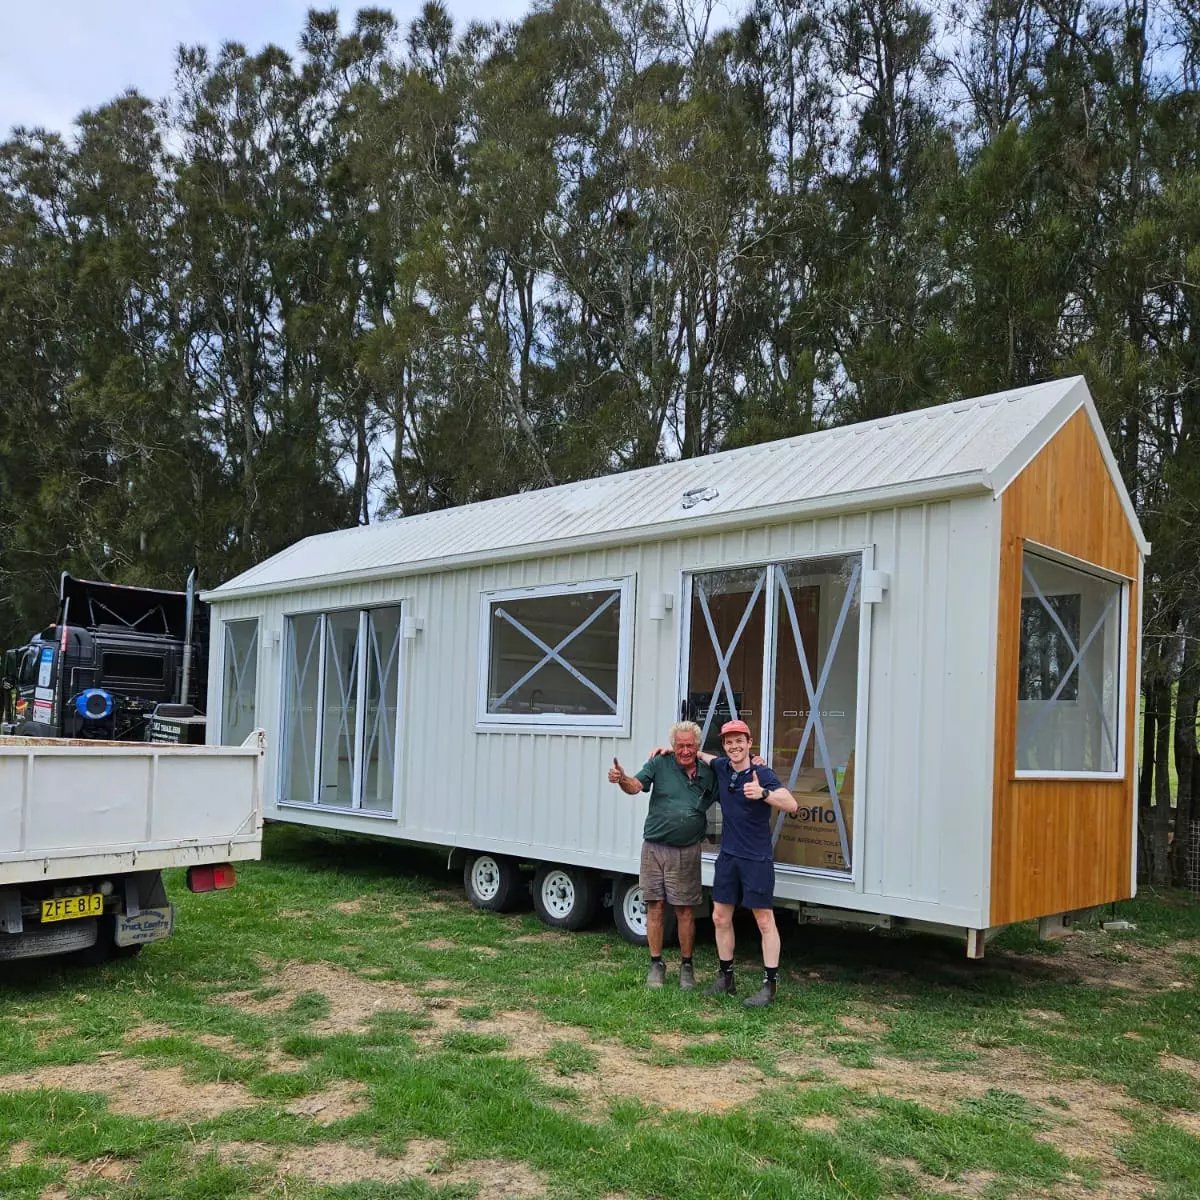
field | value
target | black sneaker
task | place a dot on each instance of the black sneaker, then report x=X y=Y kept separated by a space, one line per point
x=657 y=975
x=723 y=985
x=762 y=997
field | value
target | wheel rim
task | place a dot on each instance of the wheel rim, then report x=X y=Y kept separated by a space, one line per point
x=485 y=877
x=558 y=894
x=633 y=910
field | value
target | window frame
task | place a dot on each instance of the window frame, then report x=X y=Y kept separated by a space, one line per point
x=1124 y=583
x=853 y=880
x=601 y=726
x=355 y=809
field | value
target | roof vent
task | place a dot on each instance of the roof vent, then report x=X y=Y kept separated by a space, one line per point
x=694 y=496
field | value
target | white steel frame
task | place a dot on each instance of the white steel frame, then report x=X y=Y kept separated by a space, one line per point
x=623 y=593
x=362 y=647
x=1058 y=558
x=866 y=557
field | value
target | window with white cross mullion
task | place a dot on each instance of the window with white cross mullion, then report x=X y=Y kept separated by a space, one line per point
x=556 y=655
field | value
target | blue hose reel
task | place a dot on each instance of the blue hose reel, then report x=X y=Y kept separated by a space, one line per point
x=94 y=704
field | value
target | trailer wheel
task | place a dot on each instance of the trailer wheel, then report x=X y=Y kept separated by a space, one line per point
x=566 y=897
x=493 y=881
x=629 y=913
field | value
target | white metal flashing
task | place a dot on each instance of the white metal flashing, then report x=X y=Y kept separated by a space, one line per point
x=1074 y=395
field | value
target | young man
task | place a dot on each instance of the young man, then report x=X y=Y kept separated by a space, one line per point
x=745 y=871
x=681 y=792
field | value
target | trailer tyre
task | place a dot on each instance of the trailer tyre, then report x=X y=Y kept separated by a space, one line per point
x=566 y=897
x=493 y=882
x=629 y=913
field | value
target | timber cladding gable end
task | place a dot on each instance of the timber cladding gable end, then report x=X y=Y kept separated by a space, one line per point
x=1061 y=844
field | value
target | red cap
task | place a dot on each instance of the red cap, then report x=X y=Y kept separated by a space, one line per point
x=735 y=727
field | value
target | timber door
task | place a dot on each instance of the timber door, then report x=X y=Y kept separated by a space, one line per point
x=778 y=646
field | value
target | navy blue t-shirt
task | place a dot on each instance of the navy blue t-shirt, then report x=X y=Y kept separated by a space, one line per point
x=745 y=824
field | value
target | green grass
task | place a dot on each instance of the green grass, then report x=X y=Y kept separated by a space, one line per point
x=570 y=1058
x=889 y=1066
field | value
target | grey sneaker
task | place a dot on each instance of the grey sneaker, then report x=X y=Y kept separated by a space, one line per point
x=657 y=975
x=687 y=977
x=724 y=985
x=762 y=997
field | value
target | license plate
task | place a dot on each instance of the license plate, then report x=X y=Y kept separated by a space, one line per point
x=68 y=908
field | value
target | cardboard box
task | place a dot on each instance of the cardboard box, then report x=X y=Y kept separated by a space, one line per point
x=809 y=837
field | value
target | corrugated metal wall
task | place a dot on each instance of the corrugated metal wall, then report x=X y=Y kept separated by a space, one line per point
x=924 y=812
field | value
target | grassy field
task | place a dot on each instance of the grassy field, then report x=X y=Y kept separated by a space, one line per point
x=344 y=1026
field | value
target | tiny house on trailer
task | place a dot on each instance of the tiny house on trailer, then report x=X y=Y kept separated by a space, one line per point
x=931 y=621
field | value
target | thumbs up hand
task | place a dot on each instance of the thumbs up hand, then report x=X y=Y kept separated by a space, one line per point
x=752 y=789
x=616 y=772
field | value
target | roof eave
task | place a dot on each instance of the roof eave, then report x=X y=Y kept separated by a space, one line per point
x=966 y=483
x=1075 y=397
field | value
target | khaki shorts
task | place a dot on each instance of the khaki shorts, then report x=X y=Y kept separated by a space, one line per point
x=671 y=873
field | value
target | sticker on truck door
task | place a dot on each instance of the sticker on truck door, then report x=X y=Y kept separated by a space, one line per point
x=47 y=665
x=42 y=710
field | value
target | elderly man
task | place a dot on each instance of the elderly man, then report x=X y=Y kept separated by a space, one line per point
x=745 y=870
x=682 y=790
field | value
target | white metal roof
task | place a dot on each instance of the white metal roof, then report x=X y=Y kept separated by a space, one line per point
x=978 y=445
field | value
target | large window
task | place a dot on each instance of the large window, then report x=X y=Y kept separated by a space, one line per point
x=1069 y=679
x=341 y=703
x=239 y=681
x=778 y=646
x=556 y=656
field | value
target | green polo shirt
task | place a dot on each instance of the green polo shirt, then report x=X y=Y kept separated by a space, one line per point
x=679 y=805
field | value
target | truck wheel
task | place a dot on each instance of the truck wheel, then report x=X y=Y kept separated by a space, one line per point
x=629 y=913
x=105 y=947
x=566 y=897
x=493 y=881
x=72 y=937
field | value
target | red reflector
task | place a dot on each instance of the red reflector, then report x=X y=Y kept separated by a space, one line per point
x=200 y=879
x=211 y=879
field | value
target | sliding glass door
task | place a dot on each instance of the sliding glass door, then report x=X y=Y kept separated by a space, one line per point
x=341 y=704
x=778 y=646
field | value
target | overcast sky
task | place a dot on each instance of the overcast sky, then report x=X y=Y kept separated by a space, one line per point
x=59 y=57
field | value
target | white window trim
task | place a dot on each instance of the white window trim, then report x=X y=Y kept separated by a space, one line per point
x=355 y=809
x=1122 y=716
x=853 y=879
x=487 y=722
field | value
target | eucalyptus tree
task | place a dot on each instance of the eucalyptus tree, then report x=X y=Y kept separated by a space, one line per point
x=897 y=152
x=247 y=218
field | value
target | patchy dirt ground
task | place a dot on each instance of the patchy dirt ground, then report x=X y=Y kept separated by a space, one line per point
x=137 y=1090
x=331 y=1164
x=1079 y=1116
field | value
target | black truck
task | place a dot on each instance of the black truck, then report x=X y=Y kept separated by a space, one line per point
x=119 y=663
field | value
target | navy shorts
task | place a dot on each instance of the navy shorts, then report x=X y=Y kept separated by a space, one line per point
x=744 y=881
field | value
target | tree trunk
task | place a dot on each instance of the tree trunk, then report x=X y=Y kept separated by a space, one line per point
x=1160 y=871
x=1185 y=755
x=1145 y=796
